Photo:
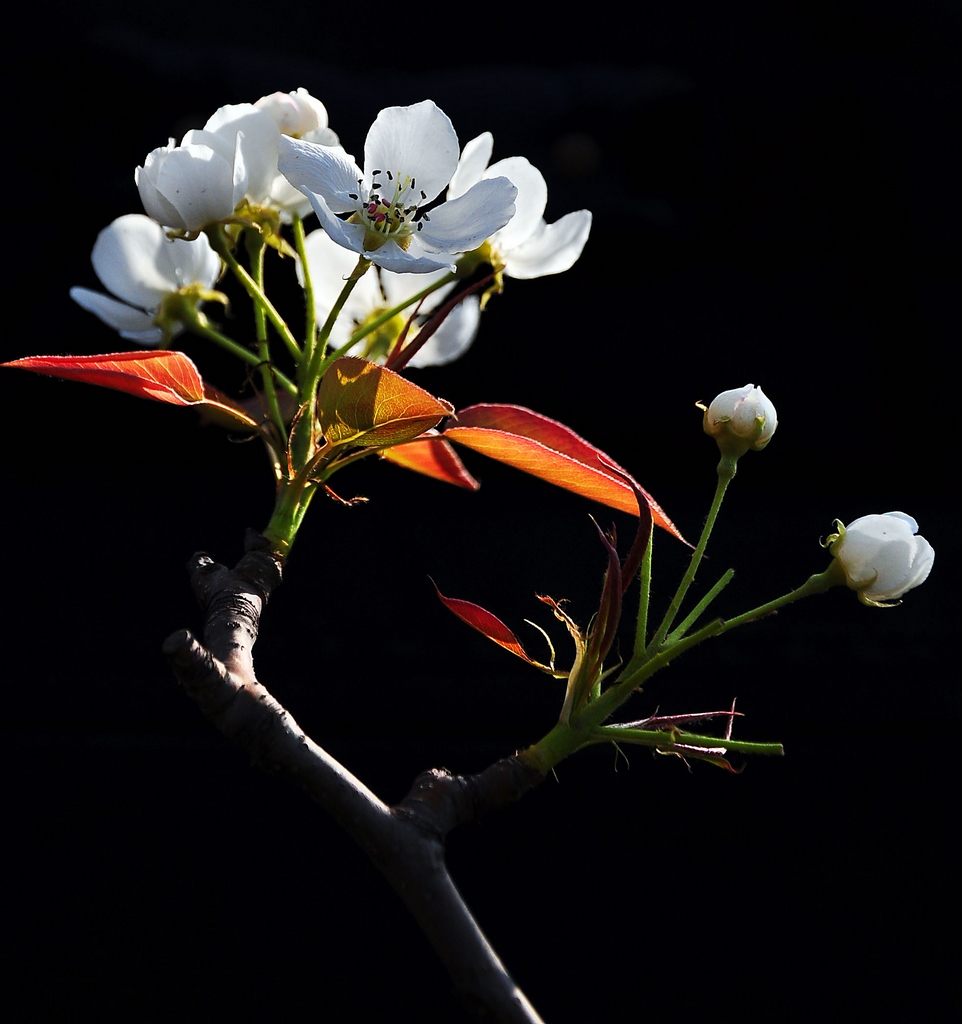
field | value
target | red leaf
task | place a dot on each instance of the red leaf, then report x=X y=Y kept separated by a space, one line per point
x=162 y=376
x=484 y=622
x=434 y=457
x=551 y=451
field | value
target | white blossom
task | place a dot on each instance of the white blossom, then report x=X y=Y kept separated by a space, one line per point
x=301 y=116
x=141 y=266
x=527 y=246
x=410 y=155
x=882 y=556
x=205 y=179
x=375 y=293
x=740 y=419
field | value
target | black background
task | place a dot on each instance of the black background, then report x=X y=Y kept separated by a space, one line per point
x=776 y=201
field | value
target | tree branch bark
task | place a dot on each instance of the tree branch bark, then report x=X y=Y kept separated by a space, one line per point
x=406 y=842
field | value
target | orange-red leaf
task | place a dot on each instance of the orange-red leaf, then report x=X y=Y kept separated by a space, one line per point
x=484 y=622
x=434 y=457
x=162 y=376
x=361 y=403
x=551 y=451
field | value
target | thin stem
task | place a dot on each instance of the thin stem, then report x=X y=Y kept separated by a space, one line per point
x=382 y=318
x=255 y=250
x=666 y=739
x=644 y=580
x=310 y=307
x=699 y=608
x=318 y=363
x=726 y=472
x=202 y=328
x=221 y=245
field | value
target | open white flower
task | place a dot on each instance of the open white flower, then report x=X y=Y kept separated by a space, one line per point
x=410 y=155
x=526 y=246
x=882 y=556
x=141 y=266
x=377 y=292
x=231 y=159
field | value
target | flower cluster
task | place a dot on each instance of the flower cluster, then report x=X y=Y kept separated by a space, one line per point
x=419 y=207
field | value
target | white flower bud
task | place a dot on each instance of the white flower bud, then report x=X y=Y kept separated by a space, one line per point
x=882 y=556
x=740 y=419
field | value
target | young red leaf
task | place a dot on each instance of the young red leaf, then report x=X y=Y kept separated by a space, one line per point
x=361 y=403
x=434 y=457
x=162 y=376
x=490 y=625
x=551 y=451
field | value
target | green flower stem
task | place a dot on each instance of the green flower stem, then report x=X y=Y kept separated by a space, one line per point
x=221 y=245
x=303 y=445
x=667 y=739
x=699 y=608
x=726 y=473
x=318 y=363
x=383 y=318
x=310 y=307
x=644 y=579
x=201 y=326
x=255 y=250
x=636 y=673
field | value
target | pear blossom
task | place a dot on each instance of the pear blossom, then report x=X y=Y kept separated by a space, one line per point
x=302 y=116
x=329 y=264
x=882 y=556
x=142 y=267
x=527 y=246
x=206 y=178
x=740 y=419
x=410 y=155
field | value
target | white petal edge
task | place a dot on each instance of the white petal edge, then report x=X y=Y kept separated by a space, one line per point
x=418 y=141
x=552 y=249
x=462 y=224
x=133 y=324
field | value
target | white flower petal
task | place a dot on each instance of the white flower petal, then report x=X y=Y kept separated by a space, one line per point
x=462 y=224
x=551 y=249
x=133 y=324
x=453 y=338
x=186 y=262
x=126 y=258
x=326 y=171
x=474 y=159
x=198 y=183
x=418 y=142
x=294 y=113
x=529 y=204
x=409 y=261
x=156 y=205
x=259 y=147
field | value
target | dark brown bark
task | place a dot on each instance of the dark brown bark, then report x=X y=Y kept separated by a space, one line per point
x=406 y=843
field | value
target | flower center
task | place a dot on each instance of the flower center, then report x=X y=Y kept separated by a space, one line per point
x=390 y=210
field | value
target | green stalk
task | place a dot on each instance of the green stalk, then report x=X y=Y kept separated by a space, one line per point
x=221 y=245
x=255 y=250
x=644 y=580
x=726 y=473
x=200 y=326
x=383 y=318
x=310 y=307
